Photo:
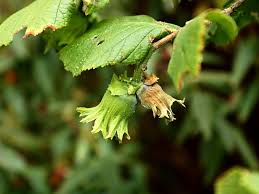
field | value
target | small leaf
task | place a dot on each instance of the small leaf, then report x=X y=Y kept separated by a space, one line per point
x=42 y=76
x=203 y=109
x=225 y=133
x=38 y=16
x=11 y=160
x=186 y=54
x=213 y=150
x=38 y=179
x=20 y=139
x=225 y=28
x=126 y=40
x=238 y=181
x=232 y=137
x=245 y=56
x=218 y=80
x=249 y=100
x=245 y=149
x=16 y=102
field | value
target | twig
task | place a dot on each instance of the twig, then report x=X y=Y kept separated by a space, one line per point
x=171 y=36
x=165 y=40
x=232 y=8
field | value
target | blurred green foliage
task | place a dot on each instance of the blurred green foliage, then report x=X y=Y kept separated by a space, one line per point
x=44 y=149
x=238 y=180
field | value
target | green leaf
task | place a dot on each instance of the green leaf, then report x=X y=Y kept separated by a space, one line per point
x=125 y=40
x=238 y=181
x=225 y=133
x=42 y=76
x=16 y=102
x=245 y=56
x=225 y=28
x=186 y=130
x=203 y=109
x=36 y=17
x=21 y=139
x=11 y=160
x=251 y=181
x=38 y=179
x=249 y=100
x=245 y=149
x=187 y=48
x=213 y=150
x=218 y=80
x=64 y=36
x=232 y=137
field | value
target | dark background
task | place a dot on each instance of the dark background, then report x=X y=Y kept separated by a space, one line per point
x=44 y=149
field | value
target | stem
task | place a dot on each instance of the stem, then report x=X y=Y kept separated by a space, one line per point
x=232 y=8
x=164 y=40
x=137 y=76
x=142 y=67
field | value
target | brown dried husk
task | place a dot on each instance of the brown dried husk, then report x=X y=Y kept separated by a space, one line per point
x=153 y=97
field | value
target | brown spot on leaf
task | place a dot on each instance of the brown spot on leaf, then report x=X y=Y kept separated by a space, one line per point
x=30 y=33
x=33 y=33
x=52 y=27
x=100 y=42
